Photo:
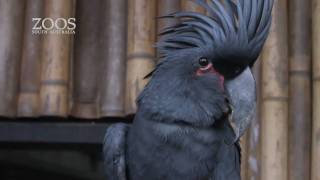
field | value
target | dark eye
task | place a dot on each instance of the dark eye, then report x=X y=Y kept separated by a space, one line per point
x=237 y=70
x=203 y=62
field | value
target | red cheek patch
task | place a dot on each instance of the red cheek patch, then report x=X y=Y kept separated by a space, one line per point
x=210 y=70
x=221 y=81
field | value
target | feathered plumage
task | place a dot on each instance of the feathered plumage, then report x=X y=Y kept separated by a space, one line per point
x=234 y=31
x=199 y=100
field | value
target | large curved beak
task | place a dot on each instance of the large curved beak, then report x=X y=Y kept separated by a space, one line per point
x=242 y=96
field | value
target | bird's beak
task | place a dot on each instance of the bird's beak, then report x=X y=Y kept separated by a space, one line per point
x=242 y=96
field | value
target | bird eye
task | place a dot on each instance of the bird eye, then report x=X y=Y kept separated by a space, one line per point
x=203 y=62
x=237 y=70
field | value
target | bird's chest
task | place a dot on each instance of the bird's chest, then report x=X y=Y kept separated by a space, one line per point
x=175 y=152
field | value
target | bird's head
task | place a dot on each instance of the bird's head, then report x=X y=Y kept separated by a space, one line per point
x=204 y=71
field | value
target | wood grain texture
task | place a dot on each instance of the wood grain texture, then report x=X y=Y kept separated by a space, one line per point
x=140 y=56
x=316 y=91
x=28 y=103
x=254 y=133
x=187 y=5
x=299 y=89
x=56 y=58
x=166 y=7
x=72 y=66
x=316 y=132
x=113 y=49
x=86 y=59
x=275 y=97
x=11 y=29
x=244 y=155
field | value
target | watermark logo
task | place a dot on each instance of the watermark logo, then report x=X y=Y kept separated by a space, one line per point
x=53 y=26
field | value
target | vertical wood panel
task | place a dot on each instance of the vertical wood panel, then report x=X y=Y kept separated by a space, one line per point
x=28 y=104
x=187 y=5
x=114 y=58
x=275 y=97
x=166 y=7
x=244 y=155
x=254 y=134
x=316 y=91
x=11 y=26
x=300 y=89
x=86 y=59
x=56 y=55
x=72 y=59
x=140 y=57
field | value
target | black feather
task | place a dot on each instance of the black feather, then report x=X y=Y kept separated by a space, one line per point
x=240 y=27
x=183 y=128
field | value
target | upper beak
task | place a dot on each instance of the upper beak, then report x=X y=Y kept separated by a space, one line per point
x=242 y=97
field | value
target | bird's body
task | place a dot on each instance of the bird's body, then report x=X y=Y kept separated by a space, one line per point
x=161 y=151
x=181 y=130
x=199 y=100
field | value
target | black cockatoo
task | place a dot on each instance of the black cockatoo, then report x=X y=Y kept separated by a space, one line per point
x=199 y=100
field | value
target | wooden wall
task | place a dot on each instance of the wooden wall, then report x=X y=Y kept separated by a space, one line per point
x=98 y=72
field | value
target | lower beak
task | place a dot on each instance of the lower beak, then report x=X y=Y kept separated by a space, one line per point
x=242 y=96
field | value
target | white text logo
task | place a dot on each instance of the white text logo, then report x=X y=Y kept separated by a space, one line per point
x=53 y=26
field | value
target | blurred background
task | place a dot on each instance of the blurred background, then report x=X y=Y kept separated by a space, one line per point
x=61 y=86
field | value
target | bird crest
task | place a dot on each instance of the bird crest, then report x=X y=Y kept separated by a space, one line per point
x=233 y=31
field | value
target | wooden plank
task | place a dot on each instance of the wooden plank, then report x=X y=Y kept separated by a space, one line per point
x=187 y=5
x=316 y=91
x=113 y=51
x=166 y=7
x=275 y=97
x=299 y=89
x=86 y=60
x=244 y=155
x=56 y=58
x=28 y=102
x=254 y=133
x=11 y=29
x=141 y=52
